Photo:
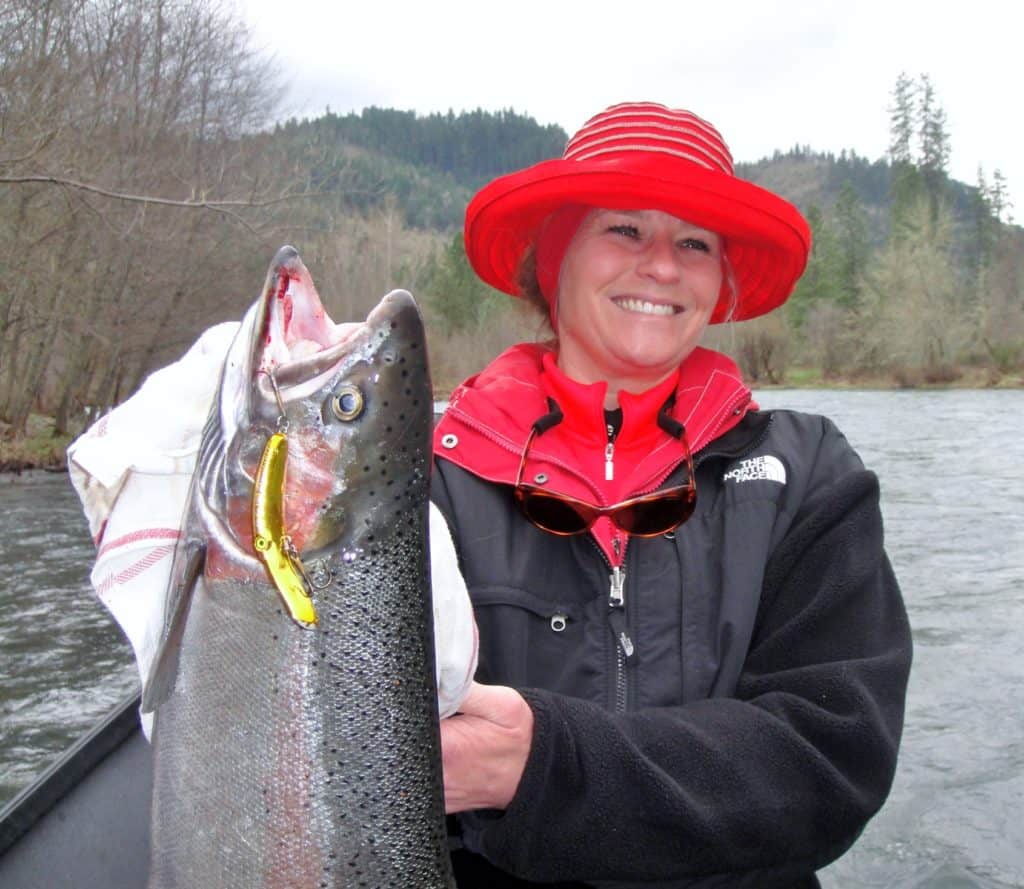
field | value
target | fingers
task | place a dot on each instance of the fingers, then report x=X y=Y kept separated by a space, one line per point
x=485 y=748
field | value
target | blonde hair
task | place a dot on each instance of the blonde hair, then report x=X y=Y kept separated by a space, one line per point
x=732 y=289
x=529 y=289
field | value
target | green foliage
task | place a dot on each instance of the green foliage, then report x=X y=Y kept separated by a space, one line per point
x=854 y=244
x=822 y=280
x=870 y=181
x=983 y=225
x=915 y=312
x=471 y=146
x=39 y=446
x=430 y=165
x=934 y=158
x=919 y=149
x=908 y=188
x=455 y=296
x=901 y=119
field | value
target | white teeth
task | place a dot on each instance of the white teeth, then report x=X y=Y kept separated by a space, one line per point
x=640 y=305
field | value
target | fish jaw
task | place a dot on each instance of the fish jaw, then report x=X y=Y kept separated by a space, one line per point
x=293 y=323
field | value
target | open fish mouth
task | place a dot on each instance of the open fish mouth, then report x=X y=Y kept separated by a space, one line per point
x=299 y=341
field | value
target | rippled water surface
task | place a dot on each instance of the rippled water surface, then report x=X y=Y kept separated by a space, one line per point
x=952 y=471
x=63 y=660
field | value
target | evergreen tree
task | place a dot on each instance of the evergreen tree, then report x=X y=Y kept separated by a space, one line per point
x=818 y=310
x=821 y=280
x=934 y=141
x=983 y=223
x=999 y=198
x=906 y=184
x=901 y=120
x=853 y=245
x=456 y=297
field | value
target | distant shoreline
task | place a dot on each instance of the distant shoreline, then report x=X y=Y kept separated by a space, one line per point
x=40 y=452
x=19 y=466
x=10 y=469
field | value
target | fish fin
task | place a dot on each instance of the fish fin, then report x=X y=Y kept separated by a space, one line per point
x=164 y=671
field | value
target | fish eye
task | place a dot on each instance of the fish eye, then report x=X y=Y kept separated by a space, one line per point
x=347 y=403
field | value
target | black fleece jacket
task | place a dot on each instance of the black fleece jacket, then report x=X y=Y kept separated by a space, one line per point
x=752 y=731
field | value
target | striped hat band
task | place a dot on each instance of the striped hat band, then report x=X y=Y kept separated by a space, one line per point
x=648 y=127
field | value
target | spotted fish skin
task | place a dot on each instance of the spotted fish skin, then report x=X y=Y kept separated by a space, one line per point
x=290 y=755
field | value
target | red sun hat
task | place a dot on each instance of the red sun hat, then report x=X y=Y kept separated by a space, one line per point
x=644 y=156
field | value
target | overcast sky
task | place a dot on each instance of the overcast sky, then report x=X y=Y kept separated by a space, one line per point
x=768 y=74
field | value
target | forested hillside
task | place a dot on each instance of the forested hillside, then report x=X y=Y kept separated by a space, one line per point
x=473 y=147
x=142 y=196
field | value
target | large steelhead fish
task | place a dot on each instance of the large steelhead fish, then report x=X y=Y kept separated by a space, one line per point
x=296 y=736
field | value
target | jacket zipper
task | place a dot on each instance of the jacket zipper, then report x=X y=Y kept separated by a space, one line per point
x=617 y=616
x=625 y=649
x=617 y=619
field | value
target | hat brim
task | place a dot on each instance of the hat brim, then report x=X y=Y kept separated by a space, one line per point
x=767 y=240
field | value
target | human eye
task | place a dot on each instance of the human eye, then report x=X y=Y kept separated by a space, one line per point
x=695 y=244
x=624 y=228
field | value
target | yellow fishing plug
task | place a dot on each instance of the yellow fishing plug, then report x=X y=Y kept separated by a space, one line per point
x=273 y=546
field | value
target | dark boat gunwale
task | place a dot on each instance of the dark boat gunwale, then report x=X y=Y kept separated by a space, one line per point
x=62 y=776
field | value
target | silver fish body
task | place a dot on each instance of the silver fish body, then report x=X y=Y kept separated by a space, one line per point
x=291 y=755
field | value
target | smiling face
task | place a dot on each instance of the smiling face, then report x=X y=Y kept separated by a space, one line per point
x=635 y=292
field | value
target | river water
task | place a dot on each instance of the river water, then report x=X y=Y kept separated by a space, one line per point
x=952 y=471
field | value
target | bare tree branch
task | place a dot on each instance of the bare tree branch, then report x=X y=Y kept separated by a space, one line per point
x=167 y=202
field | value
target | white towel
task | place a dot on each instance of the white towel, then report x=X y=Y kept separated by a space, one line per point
x=132 y=470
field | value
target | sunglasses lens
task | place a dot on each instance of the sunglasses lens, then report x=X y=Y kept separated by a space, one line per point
x=553 y=514
x=659 y=515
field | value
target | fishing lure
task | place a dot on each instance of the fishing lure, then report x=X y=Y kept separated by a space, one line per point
x=273 y=545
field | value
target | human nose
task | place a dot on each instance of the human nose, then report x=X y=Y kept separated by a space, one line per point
x=660 y=261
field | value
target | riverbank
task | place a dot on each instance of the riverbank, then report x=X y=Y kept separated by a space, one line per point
x=926 y=379
x=41 y=449
x=38 y=449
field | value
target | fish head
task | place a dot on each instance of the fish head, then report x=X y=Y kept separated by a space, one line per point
x=354 y=401
x=354 y=406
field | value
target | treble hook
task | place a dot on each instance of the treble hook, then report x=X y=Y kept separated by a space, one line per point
x=293 y=554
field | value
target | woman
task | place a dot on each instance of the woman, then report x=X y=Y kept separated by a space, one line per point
x=702 y=684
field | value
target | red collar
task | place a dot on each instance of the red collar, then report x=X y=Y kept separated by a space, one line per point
x=490 y=415
x=583 y=406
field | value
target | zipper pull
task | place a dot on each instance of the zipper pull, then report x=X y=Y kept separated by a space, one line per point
x=617 y=608
x=616 y=596
x=617 y=618
x=609 y=466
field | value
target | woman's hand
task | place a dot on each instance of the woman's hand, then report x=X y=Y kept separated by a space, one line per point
x=484 y=748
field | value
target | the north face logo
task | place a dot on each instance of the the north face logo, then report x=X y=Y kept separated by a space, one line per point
x=768 y=467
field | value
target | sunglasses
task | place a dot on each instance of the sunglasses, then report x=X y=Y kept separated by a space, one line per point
x=648 y=515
